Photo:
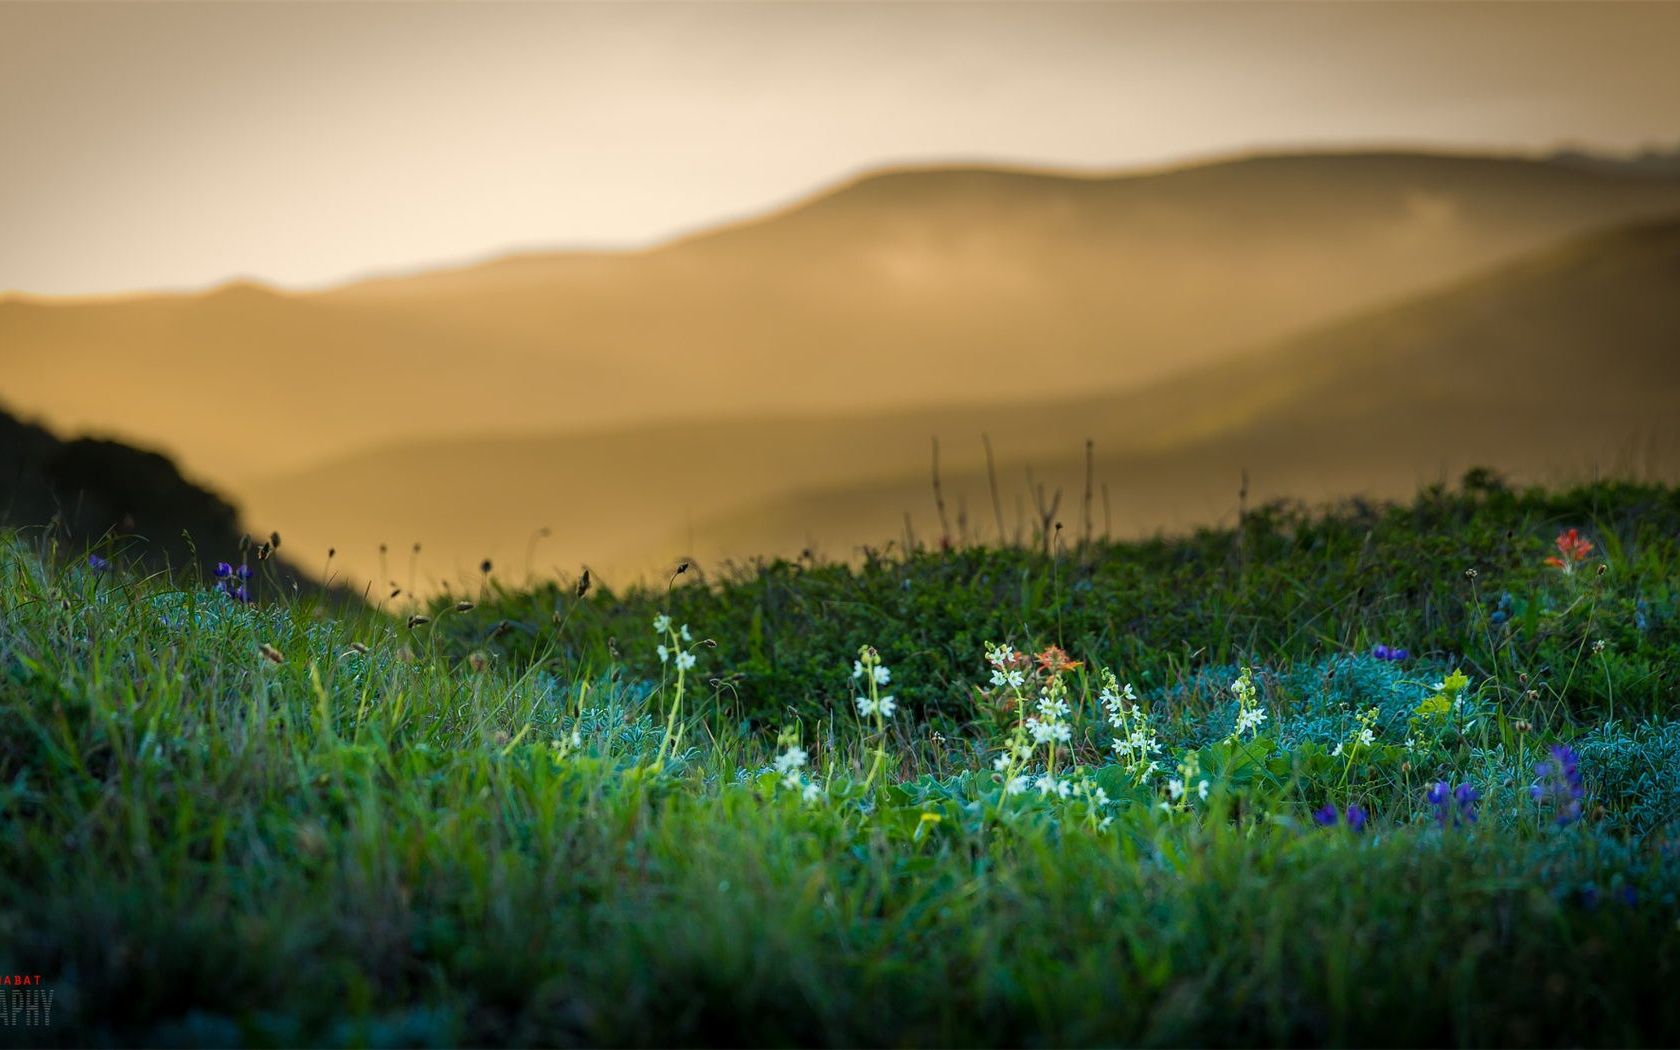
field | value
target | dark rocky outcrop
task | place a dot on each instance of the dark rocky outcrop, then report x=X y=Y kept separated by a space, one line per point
x=121 y=503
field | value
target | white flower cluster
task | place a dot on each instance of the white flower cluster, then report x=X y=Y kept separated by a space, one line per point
x=886 y=705
x=1179 y=788
x=1135 y=743
x=878 y=671
x=1013 y=678
x=1250 y=715
x=792 y=760
x=1364 y=736
x=1015 y=759
x=1176 y=789
x=869 y=668
x=683 y=657
x=790 y=765
x=1001 y=657
x=1016 y=752
x=1249 y=720
x=1049 y=725
x=1050 y=784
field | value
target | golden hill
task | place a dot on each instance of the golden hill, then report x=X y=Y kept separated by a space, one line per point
x=909 y=290
x=1565 y=361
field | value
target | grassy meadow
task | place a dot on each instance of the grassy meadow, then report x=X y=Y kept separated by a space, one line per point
x=1377 y=775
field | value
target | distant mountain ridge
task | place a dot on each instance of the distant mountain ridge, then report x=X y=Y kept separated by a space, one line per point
x=1652 y=161
x=904 y=290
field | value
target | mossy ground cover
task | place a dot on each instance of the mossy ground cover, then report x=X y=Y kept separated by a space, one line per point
x=1161 y=792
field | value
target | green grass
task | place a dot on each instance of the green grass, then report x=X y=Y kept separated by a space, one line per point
x=497 y=826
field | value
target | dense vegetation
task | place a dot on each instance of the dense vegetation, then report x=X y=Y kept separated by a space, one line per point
x=1386 y=775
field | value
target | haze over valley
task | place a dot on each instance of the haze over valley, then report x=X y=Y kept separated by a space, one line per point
x=1330 y=322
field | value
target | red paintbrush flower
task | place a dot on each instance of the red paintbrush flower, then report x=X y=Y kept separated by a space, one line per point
x=1572 y=550
x=1053 y=661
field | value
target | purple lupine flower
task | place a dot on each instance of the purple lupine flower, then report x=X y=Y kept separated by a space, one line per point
x=243 y=572
x=98 y=564
x=1453 y=805
x=1558 y=782
x=1626 y=895
x=1327 y=816
x=1388 y=652
x=240 y=593
x=1467 y=798
x=223 y=570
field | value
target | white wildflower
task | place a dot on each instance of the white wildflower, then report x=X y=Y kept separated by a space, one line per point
x=1052 y=709
x=685 y=661
x=664 y=653
x=791 y=759
x=1249 y=719
x=1117 y=698
x=661 y=623
x=1049 y=785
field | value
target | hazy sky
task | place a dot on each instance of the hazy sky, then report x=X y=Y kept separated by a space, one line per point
x=178 y=145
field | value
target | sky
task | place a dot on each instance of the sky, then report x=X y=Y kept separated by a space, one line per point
x=179 y=145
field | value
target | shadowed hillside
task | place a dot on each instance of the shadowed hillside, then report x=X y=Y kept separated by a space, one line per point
x=127 y=504
x=1562 y=363
x=907 y=290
